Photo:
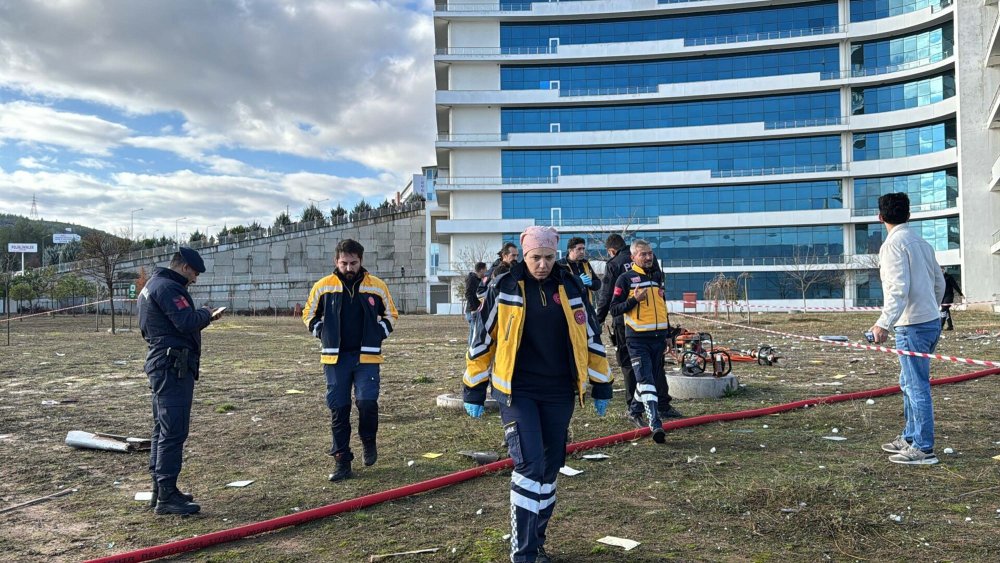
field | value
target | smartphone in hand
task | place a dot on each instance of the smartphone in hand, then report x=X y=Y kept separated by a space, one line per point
x=217 y=313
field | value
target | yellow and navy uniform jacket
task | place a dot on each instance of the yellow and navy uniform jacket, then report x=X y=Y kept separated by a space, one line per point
x=322 y=316
x=646 y=317
x=496 y=337
x=583 y=267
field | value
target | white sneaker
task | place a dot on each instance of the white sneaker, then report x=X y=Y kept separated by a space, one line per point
x=897 y=445
x=913 y=456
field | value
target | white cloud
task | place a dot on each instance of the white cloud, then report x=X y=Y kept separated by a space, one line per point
x=43 y=163
x=204 y=200
x=93 y=163
x=26 y=122
x=345 y=79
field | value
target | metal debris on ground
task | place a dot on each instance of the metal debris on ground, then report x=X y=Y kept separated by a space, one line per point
x=106 y=442
x=481 y=458
x=240 y=484
x=594 y=457
x=61 y=493
x=569 y=471
x=402 y=553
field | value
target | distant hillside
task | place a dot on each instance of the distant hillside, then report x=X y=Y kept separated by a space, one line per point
x=15 y=228
x=8 y=222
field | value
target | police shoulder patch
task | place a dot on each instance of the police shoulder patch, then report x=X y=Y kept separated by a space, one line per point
x=181 y=302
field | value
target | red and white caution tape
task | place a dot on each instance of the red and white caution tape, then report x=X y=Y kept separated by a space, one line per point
x=742 y=306
x=91 y=304
x=885 y=349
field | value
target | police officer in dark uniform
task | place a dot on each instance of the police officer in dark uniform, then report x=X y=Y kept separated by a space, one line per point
x=172 y=327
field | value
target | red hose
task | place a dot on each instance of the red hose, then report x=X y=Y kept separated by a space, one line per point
x=240 y=532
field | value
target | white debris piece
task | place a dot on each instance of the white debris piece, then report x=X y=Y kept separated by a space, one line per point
x=870 y=402
x=895 y=518
x=240 y=484
x=596 y=456
x=949 y=451
x=569 y=471
x=144 y=496
x=620 y=542
x=712 y=451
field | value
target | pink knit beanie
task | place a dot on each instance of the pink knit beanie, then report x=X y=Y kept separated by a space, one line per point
x=539 y=237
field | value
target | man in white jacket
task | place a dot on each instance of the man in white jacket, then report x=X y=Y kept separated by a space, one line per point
x=912 y=288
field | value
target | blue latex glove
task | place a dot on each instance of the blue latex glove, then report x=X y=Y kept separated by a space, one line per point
x=318 y=329
x=587 y=280
x=601 y=406
x=475 y=411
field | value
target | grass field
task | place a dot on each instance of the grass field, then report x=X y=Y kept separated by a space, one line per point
x=773 y=489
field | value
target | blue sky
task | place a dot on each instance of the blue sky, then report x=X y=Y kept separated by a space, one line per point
x=233 y=111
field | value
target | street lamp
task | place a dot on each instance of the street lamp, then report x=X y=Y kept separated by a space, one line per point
x=131 y=224
x=177 y=235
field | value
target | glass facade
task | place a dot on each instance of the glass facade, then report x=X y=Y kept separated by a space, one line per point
x=929 y=45
x=762 y=285
x=816 y=106
x=650 y=73
x=928 y=191
x=685 y=248
x=594 y=207
x=865 y=10
x=688 y=26
x=941 y=234
x=741 y=155
x=904 y=95
x=898 y=143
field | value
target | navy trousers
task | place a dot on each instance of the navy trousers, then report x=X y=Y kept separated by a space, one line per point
x=348 y=372
x=171 y=399
x=536 y=432
x=647 y=361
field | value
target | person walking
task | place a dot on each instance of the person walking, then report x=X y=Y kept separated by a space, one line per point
x=951 y=287
x=621 y=261
x=352 y=313
x=538 y=345
x=576 y=261
x=639 y=298
x=472 y=282
x=171 y=327
x=912 y=286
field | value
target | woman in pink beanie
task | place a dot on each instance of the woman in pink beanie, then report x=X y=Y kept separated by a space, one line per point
x=537 y=344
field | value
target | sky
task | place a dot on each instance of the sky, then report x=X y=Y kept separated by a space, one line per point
x=204 y=113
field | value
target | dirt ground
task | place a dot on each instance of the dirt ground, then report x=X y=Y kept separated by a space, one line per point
x=763 y=489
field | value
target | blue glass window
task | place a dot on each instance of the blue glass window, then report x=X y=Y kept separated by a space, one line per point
x=942 y=234
x=868 y=286
x=649 y=73
x=802 y=152
x=682 y=248
x=592 y=207
x=817 y=107
x=930 y=45
x=897 y=143
x=763 y=285
x=865 y=10
x=812 y=16
x=929 y=191
x=903 y=95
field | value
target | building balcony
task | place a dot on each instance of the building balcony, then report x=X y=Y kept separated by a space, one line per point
x=667 y=48
x=455 y=9
x=995 y=176
x=993 y=51
x=905 y=165
x=696 y=90
x=995 y=247
x=922 y=211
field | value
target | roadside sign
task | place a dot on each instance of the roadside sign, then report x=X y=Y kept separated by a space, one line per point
x=22 y=247
x=60 y=238
x=131 y=291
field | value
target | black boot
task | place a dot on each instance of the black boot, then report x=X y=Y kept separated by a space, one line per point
x=542 y=557
x=156 y=494
x=343 y=469
x=170 y=501
x=369 y=452
x=659 y=435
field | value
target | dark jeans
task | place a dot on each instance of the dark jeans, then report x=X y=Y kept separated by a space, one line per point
x=536 y=434
x=365 y=380
x=625 y=361
x=647 y=361
x=171 y=399
x=946 y=316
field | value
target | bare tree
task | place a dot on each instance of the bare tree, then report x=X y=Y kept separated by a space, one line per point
x=806 y=269
x=596 y=239
x=465 y=261
x=102 y=254
x=724 y=289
